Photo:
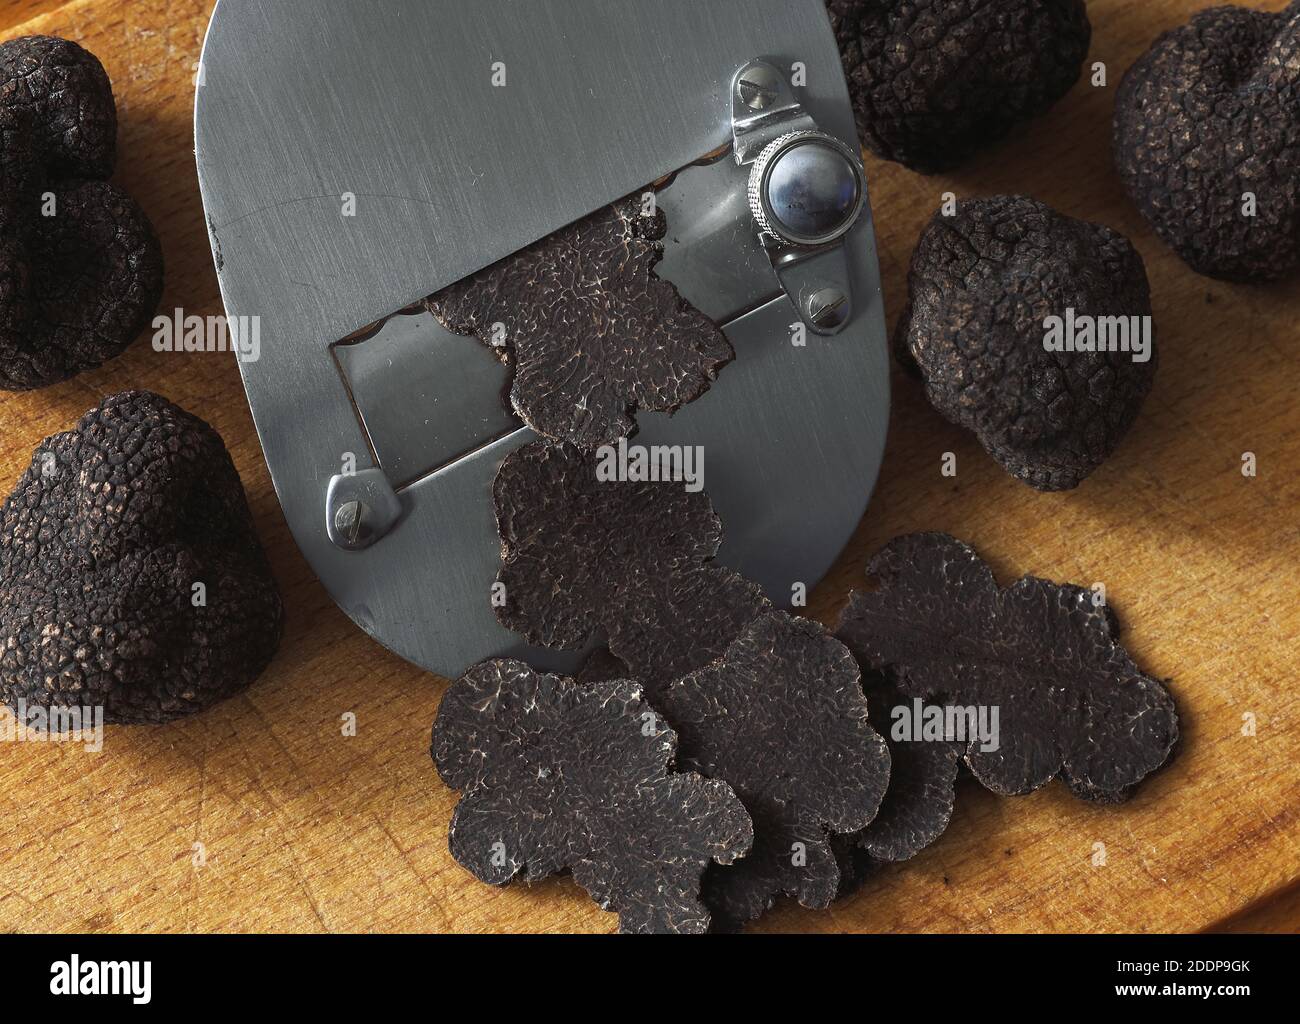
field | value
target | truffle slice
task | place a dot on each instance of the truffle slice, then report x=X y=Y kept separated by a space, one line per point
x=781 y=717
x=80 y=265
x=987 y=289
x=130 y=574
x=855 y=865
x=593 y=334
x=933 y=81
x=602 y=667
x=919 y=802
x=1070 y=701
x=632 y=559
x=1208 y=118
x=558 y=775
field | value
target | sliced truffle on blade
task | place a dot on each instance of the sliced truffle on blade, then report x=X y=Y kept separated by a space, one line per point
x=919 y=802
x=781 y=717
x=1207 y=141
x=581 y=555
x=934 y=81
x=556 y=775
x=131 y=577
x=1069 y=699
x=592 y=332
x=80 y=266
x=994 y=295
x=602 y=667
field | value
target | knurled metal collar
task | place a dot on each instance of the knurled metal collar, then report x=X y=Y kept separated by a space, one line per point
x=759 y=198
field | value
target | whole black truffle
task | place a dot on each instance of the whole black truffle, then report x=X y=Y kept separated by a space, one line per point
x=130 y=575
x=1033 y=330
x=1207 y=141
x=80 y=265
x=933 y=81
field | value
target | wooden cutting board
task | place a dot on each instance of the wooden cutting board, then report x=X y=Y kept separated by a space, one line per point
x=301 y=828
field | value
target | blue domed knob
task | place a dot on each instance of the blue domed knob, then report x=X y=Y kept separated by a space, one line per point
x=806 y=188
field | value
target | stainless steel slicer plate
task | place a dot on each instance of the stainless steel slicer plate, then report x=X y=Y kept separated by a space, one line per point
x=457 y=133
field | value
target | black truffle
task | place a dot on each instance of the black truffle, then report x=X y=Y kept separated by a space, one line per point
x=933 y=81
x=130 y=574
x=601 y=667
x=855 y=865
x=81 y=267
x=558 y=775
x=782 y=718
x=997 y=294
x=1069 y=699
x=1207 y=141
x=592 y=332
x=922 y=778
x=581 y=555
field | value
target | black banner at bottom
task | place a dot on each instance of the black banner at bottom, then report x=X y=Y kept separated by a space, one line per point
x=993 y=974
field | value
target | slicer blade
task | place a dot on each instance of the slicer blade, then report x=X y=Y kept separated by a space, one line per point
x=356 y=158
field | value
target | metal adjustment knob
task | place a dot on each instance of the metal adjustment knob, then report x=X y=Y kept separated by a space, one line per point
x=806 y=188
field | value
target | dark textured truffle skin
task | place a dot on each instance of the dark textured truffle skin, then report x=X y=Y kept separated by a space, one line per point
x=933 y=81
x=581 y=555
x=78 y=287
x=981 y=286
x=782 y=718
x=593 y=334
x=1208 y=114
x=922 y=782
x=601 y=667
x=1071 y=702
x=101 y=544
x=560 y=775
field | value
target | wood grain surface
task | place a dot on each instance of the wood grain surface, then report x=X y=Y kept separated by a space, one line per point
x=304 y=829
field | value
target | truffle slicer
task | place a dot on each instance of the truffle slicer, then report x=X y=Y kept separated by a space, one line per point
x=356 y=158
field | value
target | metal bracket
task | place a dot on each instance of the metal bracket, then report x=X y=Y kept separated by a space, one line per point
x=817 y=282
x=763 y=109
x=769 y=123
x=360 y=508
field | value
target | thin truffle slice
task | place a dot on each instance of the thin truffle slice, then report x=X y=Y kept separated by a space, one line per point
x=983 y=286
x=1070 y=700
x=582 y=555
x=130 y=574
x=922 y=778
x=782 y=718
x=80 y=266
x=856 y=866
x=592 y=332
x=559 y=775
x=1207 y=141
x=602 y=667
x=933 y=81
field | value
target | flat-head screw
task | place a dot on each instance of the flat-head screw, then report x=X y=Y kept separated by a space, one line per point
x=352 y=520
x=828 y=308
x=759 y=87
